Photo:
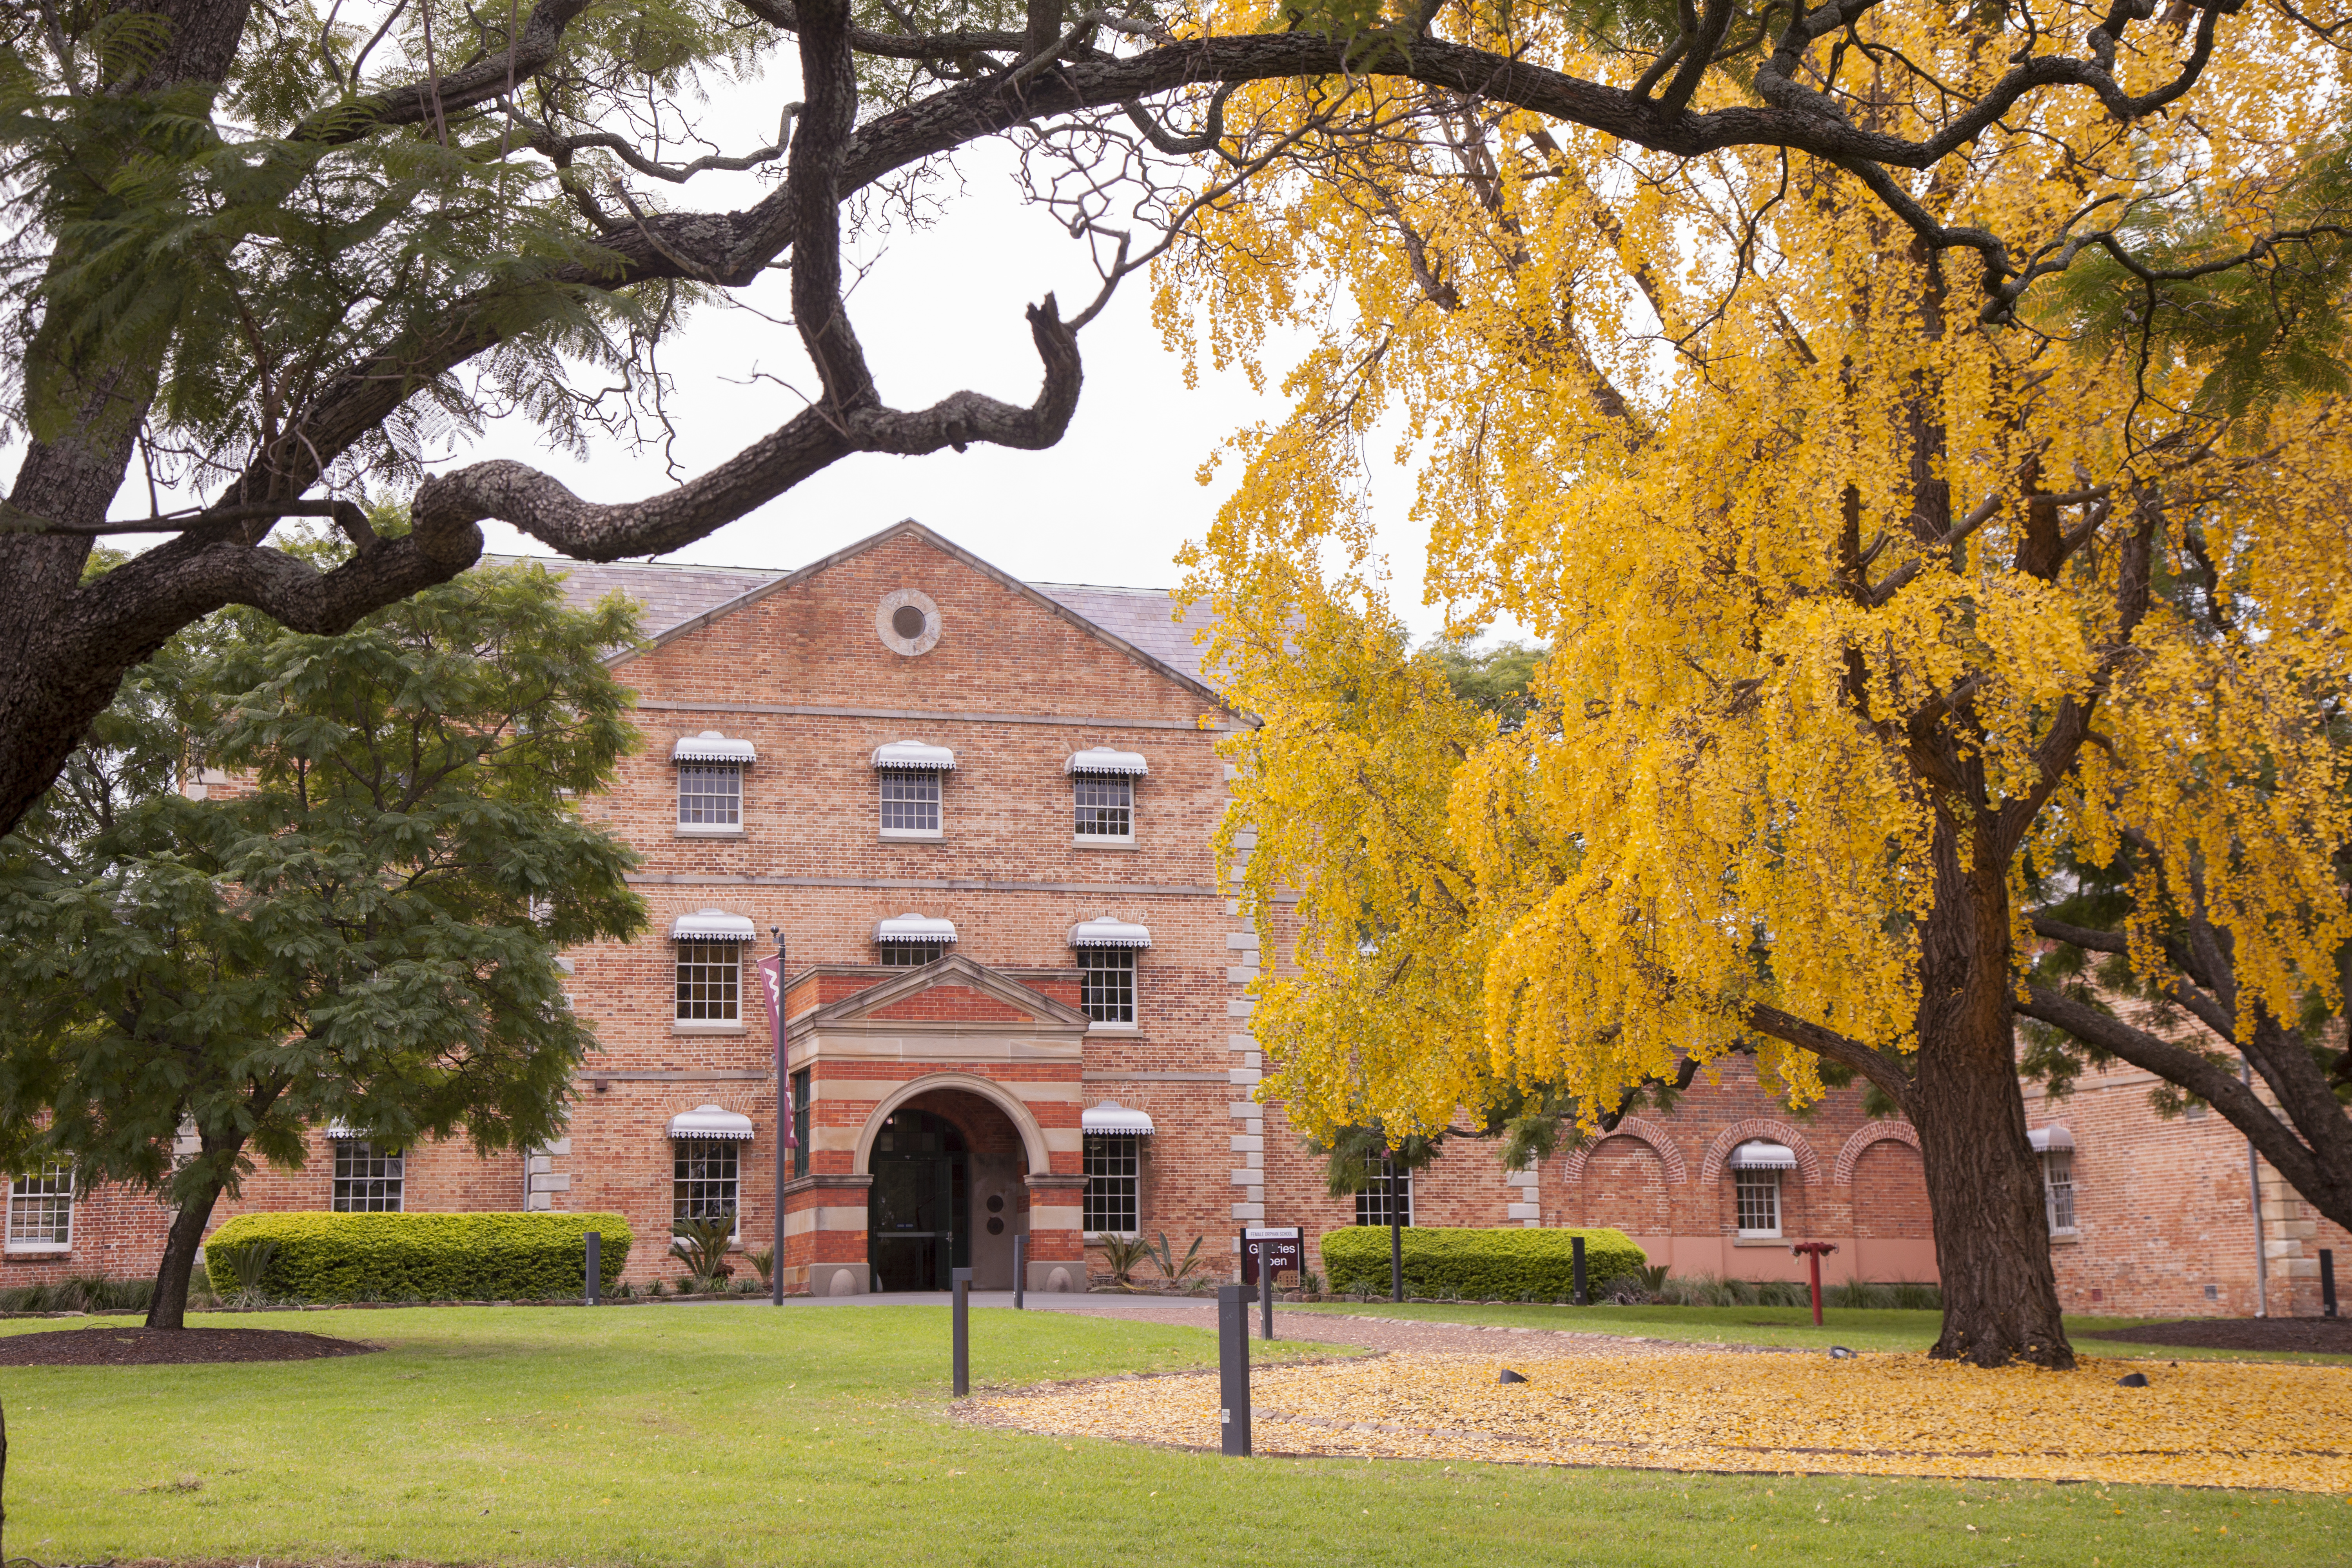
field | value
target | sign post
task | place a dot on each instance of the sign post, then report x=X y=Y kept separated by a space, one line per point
x=961 y=1279
x=595 y=1266
x=1813 y=1252
x=1576 y=1264
x=772 y=973
x=1268 y=1250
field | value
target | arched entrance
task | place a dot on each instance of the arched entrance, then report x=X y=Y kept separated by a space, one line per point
x=949 y=1190
x=919 y=1225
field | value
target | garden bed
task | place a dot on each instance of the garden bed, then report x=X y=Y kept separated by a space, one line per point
x=170 y=1347
x=2331 y=1336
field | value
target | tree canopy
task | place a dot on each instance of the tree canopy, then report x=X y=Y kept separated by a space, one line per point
x=1865 y=601
x=266 y=252
x=357 y=920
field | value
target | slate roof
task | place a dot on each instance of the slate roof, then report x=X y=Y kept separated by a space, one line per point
x=674 y=593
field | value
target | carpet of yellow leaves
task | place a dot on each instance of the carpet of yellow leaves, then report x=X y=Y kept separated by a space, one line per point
x=2198 y=1424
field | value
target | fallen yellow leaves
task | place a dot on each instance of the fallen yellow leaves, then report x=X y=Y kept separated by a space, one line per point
x=2200 y=1424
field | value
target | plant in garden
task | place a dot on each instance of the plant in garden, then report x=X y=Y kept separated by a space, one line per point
x=361 y=925
x=1122 y=1256
x=269 y=255
x=1866 y=605
x=1172 y=1268
x=701 y=1243
x=764 y=1260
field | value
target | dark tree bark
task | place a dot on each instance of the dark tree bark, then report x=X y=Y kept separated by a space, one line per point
x=169 y=1307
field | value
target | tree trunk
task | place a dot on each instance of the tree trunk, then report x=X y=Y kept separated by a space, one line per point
x=1984 y=1181
x=168 y=1309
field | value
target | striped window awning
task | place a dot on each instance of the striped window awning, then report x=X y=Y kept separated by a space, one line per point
x=2053 y=1136
x=1760 y=1156
x=914 y=756
x=710 y=1121
x=1108 y=932
x=710 y=746
x=1105 y=760
x=1112 y=1120
x=711 y=925
x=915 y=928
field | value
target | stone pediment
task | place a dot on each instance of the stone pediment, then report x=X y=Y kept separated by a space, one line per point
x=951 y=995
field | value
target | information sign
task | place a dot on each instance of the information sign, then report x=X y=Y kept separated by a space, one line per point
x=1284 y=1246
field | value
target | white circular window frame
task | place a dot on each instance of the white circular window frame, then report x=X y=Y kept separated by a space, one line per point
x=897 y=600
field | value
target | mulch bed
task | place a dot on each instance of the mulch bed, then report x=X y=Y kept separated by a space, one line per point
x=2332 y=1335
x=168 y=1347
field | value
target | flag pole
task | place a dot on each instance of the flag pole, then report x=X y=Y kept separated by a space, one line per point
x=785 y=1140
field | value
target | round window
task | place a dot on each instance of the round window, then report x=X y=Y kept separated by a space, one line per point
x=996 y=1202
x=907 y=622
x=996 y=1225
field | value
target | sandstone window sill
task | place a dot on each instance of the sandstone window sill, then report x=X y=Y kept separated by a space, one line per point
x=709 y=830
x=706 y=1027
x=1097 y=841
x=39 y=1249
x=1114 y=1028
x=912 y=835
x=1779 y=1241
x=2065 y=1238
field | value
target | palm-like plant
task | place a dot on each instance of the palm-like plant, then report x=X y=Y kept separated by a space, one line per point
x=701 y=1245
x=1123 y=1255
x=1172 y=1267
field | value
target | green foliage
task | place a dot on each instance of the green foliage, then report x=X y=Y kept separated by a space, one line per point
x=1122 y=1256
x=250 y=1261
x=1172 y=1267
x=1494 y=1265
x=701 y=1243
x=1494 y=680
x=423 y=1257
x=365 y=928
x=79 y=1293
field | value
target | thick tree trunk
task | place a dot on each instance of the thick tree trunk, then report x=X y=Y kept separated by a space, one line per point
x=1984 y=1181
x=168 y=1309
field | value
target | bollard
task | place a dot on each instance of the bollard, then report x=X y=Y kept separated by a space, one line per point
x=2327 y=1281
x=961 y=1313
x=1020 y=1270
x=1233 y=1369
x=1576 y=1259
x=595 y=1266
x=1266 y=1292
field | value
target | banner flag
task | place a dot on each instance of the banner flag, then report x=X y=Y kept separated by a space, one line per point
x=772 y=975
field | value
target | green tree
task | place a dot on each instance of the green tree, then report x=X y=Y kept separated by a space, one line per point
x=362 y=928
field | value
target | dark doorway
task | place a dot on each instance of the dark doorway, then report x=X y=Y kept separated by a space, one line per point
x=919 y=1228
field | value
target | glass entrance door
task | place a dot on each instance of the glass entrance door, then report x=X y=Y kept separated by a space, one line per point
x=919 y=1223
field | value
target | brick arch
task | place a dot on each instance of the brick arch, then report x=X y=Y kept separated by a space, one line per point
x=1866 y=1134
x=1809 y=1163
x=1662 y=1141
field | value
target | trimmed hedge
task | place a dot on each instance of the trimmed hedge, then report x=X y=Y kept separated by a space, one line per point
x=1497 y=1264
x=423 y=1257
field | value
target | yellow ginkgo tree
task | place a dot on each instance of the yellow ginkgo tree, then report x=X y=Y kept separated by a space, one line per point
x=1869 y=606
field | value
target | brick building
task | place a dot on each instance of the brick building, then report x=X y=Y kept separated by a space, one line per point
x=979 y=811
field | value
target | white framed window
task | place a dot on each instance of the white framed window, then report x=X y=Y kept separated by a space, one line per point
x=2058 y=1190
x=710 y=798
x=1105 y=808
x=911 y=803
x=912 y=954
x=1113 y=1164
x=1757 y=1195
x=369 y=1177
x=704 y=1181
x=709 y=982
x=1106 y=983
x=40 y=1209
x=1386 y=1195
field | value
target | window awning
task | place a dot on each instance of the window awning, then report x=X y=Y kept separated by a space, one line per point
x=2054 y=1136
x=340 y=1131
x=1104 y=760
x=711 y=925
x=1108 y=932
x=1763 y=1156
x=710 y=1121
x=710 y=746
x=913 y=927
x=914 y=756
x=1110 y=1119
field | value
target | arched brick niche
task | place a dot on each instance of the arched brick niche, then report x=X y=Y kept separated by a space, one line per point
x=1863 y=1136
x=1670 y=1156
x=1809 y=1163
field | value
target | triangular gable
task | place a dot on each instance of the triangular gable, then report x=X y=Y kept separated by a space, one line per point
x=951 y=992
x=910 y=529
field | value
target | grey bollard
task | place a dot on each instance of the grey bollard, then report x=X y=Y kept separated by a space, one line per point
x=961 y=1313
x=2327 y=1281
x=1266 y=1292
x=1233 y=1369
x=1576 y=1259
x=595 y=1266
x=1020 y=1270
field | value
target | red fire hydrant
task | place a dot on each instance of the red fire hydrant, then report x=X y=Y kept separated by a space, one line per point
x=1813 y=1252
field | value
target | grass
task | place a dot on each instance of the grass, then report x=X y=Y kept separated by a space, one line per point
x=1856 y=1328
x=710 y=1436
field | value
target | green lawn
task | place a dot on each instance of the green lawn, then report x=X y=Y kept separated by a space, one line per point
x=1858 y=1329
x=710 y=1436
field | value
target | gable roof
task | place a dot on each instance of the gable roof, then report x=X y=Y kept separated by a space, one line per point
x=882 y=1005
x=679 y=599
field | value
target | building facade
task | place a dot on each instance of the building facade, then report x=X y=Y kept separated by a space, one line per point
x=978 y=814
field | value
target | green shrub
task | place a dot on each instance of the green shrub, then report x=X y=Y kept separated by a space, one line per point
x=79 y=1293
x=1497 y=1265
x=421 y=1257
